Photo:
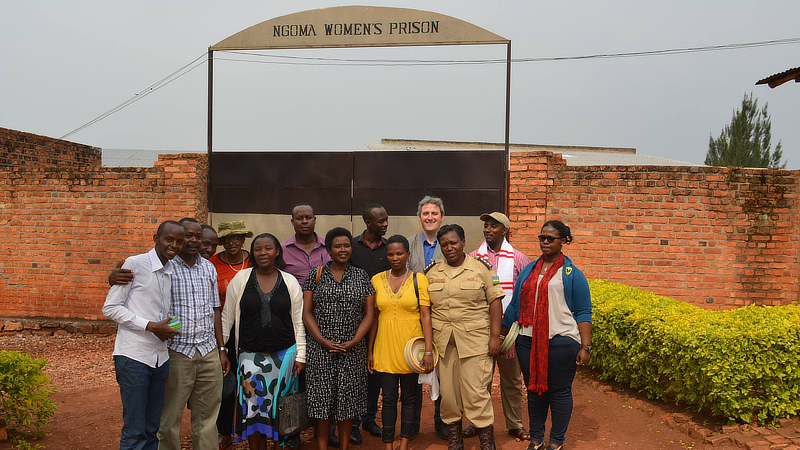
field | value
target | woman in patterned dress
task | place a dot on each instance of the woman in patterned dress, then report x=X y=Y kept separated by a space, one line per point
x=265 y=306
x=338 y=312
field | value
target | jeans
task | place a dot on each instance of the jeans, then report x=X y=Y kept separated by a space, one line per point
x=141 y=388
x=561 y=369
x=408 y=391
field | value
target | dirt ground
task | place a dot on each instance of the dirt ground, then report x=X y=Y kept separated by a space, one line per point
x=89 y=414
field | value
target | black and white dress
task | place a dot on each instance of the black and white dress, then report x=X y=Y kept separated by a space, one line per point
x=337 y=384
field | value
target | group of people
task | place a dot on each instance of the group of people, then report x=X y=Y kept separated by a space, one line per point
x=230 y=333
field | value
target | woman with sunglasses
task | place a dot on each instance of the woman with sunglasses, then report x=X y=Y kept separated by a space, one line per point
x=552 y=304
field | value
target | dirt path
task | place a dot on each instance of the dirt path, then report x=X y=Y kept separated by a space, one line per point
x=90 y=411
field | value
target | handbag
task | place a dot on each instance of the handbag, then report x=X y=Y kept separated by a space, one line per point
x=229 y=384
x=293 y=410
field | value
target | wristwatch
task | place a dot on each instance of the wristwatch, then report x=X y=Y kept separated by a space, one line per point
x=223 y=349
x=588 y=348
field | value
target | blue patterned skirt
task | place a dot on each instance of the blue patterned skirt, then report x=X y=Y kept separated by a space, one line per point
x=258 y=375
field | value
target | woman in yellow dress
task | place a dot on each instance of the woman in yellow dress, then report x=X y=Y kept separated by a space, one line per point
x=403 y=312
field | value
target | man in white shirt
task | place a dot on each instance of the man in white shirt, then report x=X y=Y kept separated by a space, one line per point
x=140 y=351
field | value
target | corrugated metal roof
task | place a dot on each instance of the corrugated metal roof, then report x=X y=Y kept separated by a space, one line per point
x=780 y=78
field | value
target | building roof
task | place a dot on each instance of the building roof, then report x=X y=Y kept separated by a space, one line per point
x=780 y=78
x=574 y=155
x=124 y=157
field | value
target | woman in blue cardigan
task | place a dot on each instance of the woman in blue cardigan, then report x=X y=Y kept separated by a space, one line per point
x=552 y=304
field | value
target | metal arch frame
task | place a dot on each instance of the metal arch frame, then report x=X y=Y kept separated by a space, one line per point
x=507 y=155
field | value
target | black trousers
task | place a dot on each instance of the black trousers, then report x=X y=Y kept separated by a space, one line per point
x=437 y=404
x=408 y=394
x=228 y=405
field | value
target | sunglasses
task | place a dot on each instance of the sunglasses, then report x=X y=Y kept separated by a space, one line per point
x=548 y=239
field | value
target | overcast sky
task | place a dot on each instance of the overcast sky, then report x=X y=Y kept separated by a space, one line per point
x=65 y=62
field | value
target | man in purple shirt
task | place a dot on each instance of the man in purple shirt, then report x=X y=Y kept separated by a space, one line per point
x=305 y=249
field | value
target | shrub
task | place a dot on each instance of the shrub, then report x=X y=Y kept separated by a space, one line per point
x=742 y=364
x=25 y=403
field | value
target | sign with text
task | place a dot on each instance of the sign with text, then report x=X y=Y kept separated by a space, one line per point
x=358 y=26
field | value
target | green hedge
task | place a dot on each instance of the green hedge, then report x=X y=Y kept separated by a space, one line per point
x=25 y=403
x=741 y=364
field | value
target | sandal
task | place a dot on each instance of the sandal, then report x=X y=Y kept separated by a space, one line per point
x=470 y=431
x=520 y=434
x=225 y=442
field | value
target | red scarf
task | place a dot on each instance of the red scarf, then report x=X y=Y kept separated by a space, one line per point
x=533 y=312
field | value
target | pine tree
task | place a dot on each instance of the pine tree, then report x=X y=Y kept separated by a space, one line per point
x=745 y=142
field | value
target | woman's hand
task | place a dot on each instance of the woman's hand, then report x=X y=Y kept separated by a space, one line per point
x=427 y=363
x=494 y=345
x=583 y=357
x=299 y=367
x=347 y=345
x=370 y=362
x=337 y=348
x=329 y=345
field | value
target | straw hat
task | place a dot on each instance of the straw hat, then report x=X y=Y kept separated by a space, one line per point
x=235 y=228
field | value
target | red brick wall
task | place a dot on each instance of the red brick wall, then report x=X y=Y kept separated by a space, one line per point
x=716 y=237
x=61 y=231
x=20 y=149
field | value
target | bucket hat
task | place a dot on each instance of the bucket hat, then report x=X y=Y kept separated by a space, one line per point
x=235 y=228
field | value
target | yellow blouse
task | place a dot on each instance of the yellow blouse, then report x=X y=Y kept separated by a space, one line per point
x=398 y=322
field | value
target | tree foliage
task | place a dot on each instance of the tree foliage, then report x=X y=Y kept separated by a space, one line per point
x=745 y=142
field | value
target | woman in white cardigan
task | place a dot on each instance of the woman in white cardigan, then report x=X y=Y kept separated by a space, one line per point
x=266 y=306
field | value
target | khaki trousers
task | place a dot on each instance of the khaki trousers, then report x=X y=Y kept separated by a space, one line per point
x=199 y=381
x=511 y=394
x=462 y=384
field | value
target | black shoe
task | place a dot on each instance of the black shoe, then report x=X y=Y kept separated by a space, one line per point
x=333 y=441
x=372 y=428
x=293 y=442
x=355 y=436
x=441 y=431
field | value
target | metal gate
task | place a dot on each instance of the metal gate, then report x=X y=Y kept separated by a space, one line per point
x=341 y=183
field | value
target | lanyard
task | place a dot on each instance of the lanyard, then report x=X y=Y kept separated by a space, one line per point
x=161 y=289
